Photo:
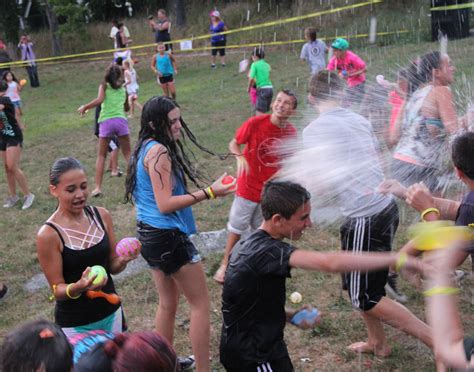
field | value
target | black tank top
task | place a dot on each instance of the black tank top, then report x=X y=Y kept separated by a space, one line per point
x=73 y=313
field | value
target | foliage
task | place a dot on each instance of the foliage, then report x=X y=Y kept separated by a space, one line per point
x=71 y=16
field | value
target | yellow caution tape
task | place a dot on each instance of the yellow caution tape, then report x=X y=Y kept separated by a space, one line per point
x=453 y=7
x=238 y=46
x=206 y=36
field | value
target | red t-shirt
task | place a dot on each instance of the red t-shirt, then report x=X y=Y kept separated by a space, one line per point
x=263 y=142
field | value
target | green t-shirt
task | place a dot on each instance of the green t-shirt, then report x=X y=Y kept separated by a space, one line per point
x=112 y=107
x=260 y=71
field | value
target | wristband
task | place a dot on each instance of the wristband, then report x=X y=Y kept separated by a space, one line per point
x=210 y=191
x=69 y=295
x=53 y=295
x=429 y=210
x=440 y=290
x=206 y=194
x=401 y=261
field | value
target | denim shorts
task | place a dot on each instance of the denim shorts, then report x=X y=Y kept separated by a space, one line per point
x=166 y=249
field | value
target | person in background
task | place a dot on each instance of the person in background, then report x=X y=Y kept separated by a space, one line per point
x=162 y=29
x=115 y=28
x=28 y=54
x=259 y=76
x=351 y=68
x=164 y=65
x=11 y=141
x=314 y=51
x=217 y=41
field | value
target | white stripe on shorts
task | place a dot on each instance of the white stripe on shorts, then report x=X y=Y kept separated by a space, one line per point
x=357 y=244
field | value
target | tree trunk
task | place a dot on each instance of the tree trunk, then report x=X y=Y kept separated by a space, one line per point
x=53 y=28
x=180 y=8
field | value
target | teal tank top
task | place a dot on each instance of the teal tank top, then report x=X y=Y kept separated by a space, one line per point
x=164 y=65
x=112 y=107
x=147 y=210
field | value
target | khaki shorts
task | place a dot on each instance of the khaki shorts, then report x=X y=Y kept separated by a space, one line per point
x=244 y=215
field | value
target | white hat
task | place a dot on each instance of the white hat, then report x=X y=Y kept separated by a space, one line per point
x=215 y=13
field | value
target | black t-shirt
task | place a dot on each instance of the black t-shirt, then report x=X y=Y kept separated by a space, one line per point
x=8 y=124
x=465 y=216
x=253 y=301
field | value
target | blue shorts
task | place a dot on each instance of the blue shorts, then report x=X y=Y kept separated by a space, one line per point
x=17 y=104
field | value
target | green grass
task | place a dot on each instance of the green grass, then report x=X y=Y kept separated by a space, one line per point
x=214 y=104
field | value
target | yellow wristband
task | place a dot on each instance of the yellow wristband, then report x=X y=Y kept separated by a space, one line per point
x=69 y=295
x=53 y=295
x=429 y=210
x=210 y=191
x=401 y=261
x=439 y=290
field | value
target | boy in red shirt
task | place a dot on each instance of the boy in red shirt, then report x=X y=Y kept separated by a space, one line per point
x=262 y=137
x=351 y=68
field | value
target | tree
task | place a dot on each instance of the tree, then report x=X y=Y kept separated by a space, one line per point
x=180 y=8
x=53 y=28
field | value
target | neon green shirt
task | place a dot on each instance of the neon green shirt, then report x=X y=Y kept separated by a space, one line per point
x=112 y=107
x=260 y=71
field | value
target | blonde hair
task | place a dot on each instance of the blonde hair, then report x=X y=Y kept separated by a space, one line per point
x=130 y=63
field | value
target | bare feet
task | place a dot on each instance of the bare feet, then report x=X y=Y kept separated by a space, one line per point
x=364 y=347
x=220 y=274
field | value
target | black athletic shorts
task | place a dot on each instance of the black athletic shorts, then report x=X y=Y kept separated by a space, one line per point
x=221 y=50
x=278 y=365
x=10 y=142
x=264 y=99
x=368 y=234
x=166 y=249
x=408 y=174
x=165 y=79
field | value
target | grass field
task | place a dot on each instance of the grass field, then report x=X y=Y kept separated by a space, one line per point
x=214 y=104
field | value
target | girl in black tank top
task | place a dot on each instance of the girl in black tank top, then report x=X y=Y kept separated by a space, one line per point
x=75 y=238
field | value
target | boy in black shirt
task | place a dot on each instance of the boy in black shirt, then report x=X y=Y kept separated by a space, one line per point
x=253 y=297
x=11 y=141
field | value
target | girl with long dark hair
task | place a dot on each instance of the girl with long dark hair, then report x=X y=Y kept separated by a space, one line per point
x=156 y=184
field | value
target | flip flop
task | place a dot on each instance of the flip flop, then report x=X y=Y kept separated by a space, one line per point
x=119 y=174
x=96 y=194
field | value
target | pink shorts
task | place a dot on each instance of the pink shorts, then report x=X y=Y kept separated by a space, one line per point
x=113 y=127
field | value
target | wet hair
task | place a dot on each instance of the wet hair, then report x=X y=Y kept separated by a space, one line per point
x=311 y=32
x=36 y=345
x=283 y=198
x=113 y=75
x=326 y=84
x=421 y=71
x=259 y=52
x=141 y=351
x=292 y=94
x=155 y=125
x=61 y=166
x=3 y=86
x=462 y=153
x=4 y=76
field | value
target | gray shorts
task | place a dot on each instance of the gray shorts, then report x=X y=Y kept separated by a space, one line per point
x=244 y=215
x=264 y=99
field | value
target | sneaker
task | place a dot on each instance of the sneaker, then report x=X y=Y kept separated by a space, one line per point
x=186 y=363
x=3 y=292
x=223 y=64
x=28 y=200
x=213 y=67
x=11 y=201
x=392 y=290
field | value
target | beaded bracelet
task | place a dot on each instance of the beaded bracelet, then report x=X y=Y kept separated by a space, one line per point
x=69 y=295
x=429 y=210
x=440 y=290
